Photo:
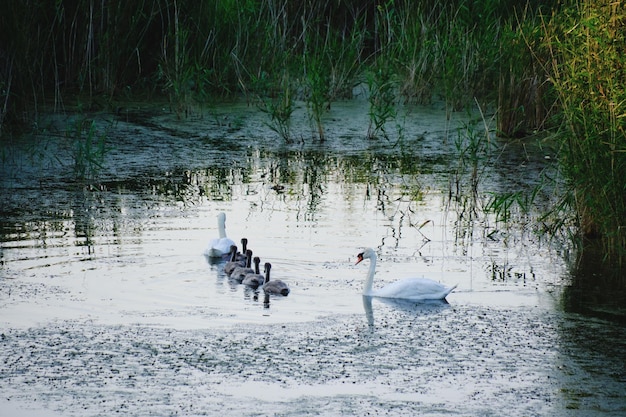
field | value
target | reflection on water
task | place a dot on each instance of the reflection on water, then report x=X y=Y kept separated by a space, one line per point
x=595 y=289
x=107 y=282
x=419 y=198
x=422 y=308
x=585 y=347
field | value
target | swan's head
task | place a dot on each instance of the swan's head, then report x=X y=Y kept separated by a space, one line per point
x=221 y=217
x=366 y=254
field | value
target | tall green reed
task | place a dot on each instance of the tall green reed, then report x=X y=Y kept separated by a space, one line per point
x=585 y=45
x=382 y=99
x=280 y=108
x=525 y=103
x=195 y=50
x=89 y=149
x=317 y=86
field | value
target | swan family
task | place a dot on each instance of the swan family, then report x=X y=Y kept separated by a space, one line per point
x=238 y=265
x=239 y=268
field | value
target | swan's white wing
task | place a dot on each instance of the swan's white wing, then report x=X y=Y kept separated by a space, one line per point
x=219 y=247
x=414 y=289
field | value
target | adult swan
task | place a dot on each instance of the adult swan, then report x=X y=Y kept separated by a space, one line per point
x=220 y=246
x=414 y=289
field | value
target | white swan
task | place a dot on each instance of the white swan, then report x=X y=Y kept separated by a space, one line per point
x=276 y=286
x=220 y=246
x=414 y=289
x=255 y=279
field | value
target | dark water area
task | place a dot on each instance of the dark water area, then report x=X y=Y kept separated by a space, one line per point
x=108 y=305
x=596 y=289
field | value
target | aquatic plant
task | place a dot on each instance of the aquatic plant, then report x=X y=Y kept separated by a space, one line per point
x=474 y=146
x=317 y=83
x=345 y=52
x=5 y=93
x=382 y=99
x=279 y=108
x=505 y=205
x=89 y=149
x=411 y=46
x=183 y=76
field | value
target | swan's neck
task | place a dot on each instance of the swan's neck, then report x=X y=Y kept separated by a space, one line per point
x=221 y=227
x=367 y=289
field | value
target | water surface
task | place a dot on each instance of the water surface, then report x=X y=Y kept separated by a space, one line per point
x=107 y=304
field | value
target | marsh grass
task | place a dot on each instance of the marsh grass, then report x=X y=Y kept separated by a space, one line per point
x=585 y=44
x=525 y=102
x=89 y=149
x=473 y=147
x=382 y=99
x=279 y=109
x=192 y=51
x=474 y=144
x=317 y=87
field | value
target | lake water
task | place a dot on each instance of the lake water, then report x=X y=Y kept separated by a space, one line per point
x=108 y=306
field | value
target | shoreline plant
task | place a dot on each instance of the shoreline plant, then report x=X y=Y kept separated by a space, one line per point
x=586 y=67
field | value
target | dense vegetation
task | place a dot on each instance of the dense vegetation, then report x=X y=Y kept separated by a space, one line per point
x=584 y=57
x=194 y=50
x=541 y=65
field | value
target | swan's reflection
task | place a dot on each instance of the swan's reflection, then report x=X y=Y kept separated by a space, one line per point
x=214 y=261
x=253 y=294
x=426 y=307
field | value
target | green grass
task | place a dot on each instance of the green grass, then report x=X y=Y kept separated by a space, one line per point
x=585 y=44
x=89 y=149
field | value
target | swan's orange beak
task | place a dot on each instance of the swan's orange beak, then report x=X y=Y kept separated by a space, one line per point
x=359 y=258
